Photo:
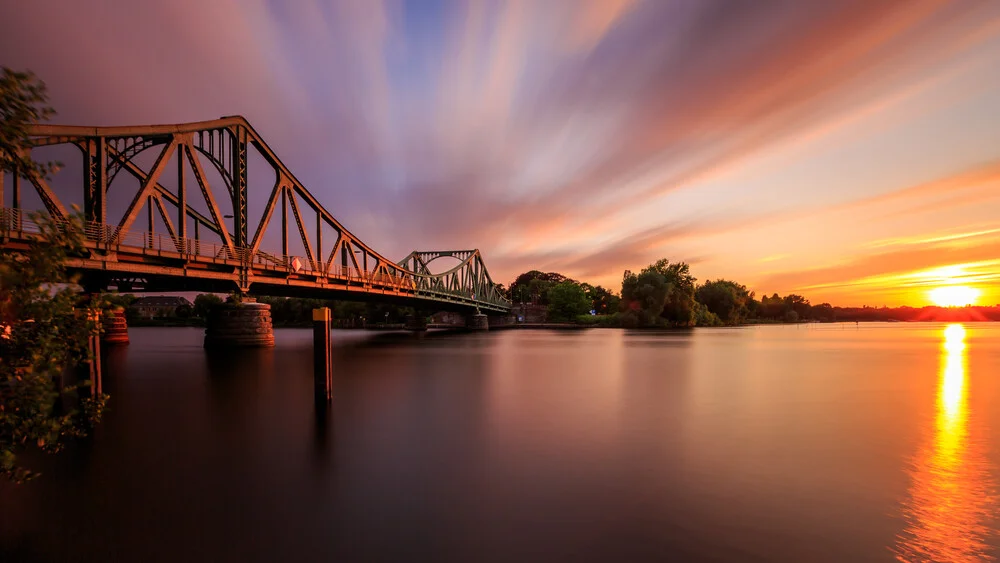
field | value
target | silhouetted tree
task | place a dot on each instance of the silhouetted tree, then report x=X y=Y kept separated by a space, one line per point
x=725 y=299
x=203 y=304
x=567 y=300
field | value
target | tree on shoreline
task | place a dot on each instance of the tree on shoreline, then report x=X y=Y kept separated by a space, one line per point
x=567 y=300
x=726 y=299
x=44 y=327
x=662 y=294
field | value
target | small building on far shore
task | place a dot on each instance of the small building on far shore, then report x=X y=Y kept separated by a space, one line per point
x=160 y=306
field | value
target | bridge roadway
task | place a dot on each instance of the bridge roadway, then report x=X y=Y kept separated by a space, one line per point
x=149 y=262
x=141 y=260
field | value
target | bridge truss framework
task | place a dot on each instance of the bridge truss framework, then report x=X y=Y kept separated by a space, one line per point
x=179 y=259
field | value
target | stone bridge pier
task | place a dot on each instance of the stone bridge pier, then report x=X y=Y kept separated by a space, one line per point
x=477 y=321
x=115 y=327
x=417 y=322
x=244 y=324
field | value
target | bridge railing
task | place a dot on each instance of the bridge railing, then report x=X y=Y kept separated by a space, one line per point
x=16 y=224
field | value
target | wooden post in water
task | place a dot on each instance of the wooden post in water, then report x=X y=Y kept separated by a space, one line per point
x=91 y=368
x=322 y=366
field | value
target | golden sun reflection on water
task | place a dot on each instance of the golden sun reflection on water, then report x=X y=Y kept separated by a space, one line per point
x=950 y=503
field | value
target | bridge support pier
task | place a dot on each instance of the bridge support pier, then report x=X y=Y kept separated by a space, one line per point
x=115 y=328
x=501 y=320
x=416 y=322
x=239 y=325
x=322 y=361
x=477 y=321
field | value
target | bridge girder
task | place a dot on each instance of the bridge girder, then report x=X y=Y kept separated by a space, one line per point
x=225 y=144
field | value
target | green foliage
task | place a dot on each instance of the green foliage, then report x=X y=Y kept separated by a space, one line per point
x=203 y=304
x=725 y=299
x=780 y=308
x=602 y=301
x=44 y=328
x=661 y=294
x=823 y=312
x=114 y=300
x=643 y=296
x=604 y=321
x=533 y=287
x=798 y=304
x=704 y=317
x=567 y=300
x=23 y=102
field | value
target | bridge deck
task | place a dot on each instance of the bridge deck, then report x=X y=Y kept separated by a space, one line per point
x=158 y=262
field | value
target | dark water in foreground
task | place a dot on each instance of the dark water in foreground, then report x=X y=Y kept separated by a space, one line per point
x=788 y=443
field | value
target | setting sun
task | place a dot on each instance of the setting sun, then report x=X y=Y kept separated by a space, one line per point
x=954 y=295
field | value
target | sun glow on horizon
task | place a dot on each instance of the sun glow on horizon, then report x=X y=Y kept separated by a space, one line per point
x=954 y=295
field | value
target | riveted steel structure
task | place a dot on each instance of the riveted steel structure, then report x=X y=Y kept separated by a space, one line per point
x=121 y=255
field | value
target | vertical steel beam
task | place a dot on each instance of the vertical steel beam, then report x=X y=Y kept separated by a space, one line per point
x=284 y=221
x=95 y=175
x=181 y=197
x=319 y=241
x=149 y=218
x=239 y=167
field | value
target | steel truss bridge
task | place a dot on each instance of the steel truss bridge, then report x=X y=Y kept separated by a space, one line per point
x=131 y=259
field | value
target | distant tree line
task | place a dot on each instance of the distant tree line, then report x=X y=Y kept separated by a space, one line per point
x=665 y=294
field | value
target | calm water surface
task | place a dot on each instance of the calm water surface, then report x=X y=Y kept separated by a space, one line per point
x=785 y=443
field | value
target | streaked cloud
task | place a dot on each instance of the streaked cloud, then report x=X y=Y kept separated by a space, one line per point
x=796 y=146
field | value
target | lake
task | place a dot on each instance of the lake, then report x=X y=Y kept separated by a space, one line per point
x=830 y=442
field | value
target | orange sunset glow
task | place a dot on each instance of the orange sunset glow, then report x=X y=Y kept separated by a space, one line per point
x=954 y=295
x=845 y=151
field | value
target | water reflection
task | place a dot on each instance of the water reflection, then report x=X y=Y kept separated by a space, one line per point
x=950 y=505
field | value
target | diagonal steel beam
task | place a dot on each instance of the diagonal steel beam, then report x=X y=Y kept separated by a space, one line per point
x=268 y=212
x=333 y=253
x=169 y=223
x=350 y=252
x=206 y=192
x=141 y=175
x=47 y=196
x=302 y=230
x=146 y=189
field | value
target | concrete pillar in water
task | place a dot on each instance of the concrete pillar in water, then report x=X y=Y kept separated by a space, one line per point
x=478 y=321
x=239 y=325
x=416 y=322
x=115 y=328
x=322 y=364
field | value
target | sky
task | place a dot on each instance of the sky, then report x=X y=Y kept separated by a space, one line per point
x=847 y=151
